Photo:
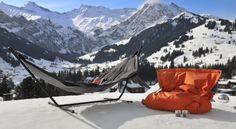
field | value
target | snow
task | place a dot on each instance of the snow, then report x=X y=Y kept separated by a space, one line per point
x=37 y=114
x=89 y=56
x=123 y=42
x=111 y=50
x=187 y=15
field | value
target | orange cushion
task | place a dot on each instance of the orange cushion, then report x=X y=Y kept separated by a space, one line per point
x=184 y=89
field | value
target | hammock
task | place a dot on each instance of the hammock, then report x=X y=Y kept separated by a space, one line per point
x=124 y=71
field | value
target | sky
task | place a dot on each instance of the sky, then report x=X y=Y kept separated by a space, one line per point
x=221 y=8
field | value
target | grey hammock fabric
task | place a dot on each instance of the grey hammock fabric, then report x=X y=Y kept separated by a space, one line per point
x=123 y=71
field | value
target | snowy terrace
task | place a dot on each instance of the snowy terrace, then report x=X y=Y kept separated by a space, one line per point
x=37 y=114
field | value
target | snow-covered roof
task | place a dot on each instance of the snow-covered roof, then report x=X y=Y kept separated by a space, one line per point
x=37 y=114
x=226 y=81
x=223 y=82
x=232 y=80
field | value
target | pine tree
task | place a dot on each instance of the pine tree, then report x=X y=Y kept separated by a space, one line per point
x=86 y=73
x=172 y=64
x=97 y=72
x=26 y=88
x=220 y=56
x=4 y=87
x=185 y=59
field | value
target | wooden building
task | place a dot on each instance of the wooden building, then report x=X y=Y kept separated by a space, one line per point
x=226 y=86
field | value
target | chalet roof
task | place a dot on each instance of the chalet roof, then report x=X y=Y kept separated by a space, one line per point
x=225 y=82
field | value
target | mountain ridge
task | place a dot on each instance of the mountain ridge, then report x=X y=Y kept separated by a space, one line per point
x=32 y=11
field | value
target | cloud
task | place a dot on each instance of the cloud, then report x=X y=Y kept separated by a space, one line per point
x=153 y=1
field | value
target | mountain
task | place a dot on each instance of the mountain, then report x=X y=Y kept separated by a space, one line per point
x=86 y=18
x=153 y=38
x=147 y=16
x=46 y=34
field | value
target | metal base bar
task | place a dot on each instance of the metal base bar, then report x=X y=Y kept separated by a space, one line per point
x=89 y=102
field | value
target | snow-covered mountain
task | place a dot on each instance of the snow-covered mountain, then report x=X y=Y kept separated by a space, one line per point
x=147 y=16
x=86 y=18
x=46 y=34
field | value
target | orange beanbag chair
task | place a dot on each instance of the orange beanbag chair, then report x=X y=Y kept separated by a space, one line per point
x=184 y=89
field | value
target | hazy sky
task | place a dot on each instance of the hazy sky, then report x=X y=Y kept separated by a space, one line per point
x=221 y=8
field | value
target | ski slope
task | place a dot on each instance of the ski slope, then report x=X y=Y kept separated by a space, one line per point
x=37 y=114
x=203 y=37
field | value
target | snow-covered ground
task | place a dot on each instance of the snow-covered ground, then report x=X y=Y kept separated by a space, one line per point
x=37 y=114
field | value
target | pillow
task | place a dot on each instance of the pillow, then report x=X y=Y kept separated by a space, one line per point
x=96 y=81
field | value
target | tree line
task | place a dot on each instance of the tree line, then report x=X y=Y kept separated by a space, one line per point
x=202 y=52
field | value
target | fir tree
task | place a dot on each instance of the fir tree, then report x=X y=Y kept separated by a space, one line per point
x=172 y=64
x=26 y=88
x=185 y=59
x=4 y=86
